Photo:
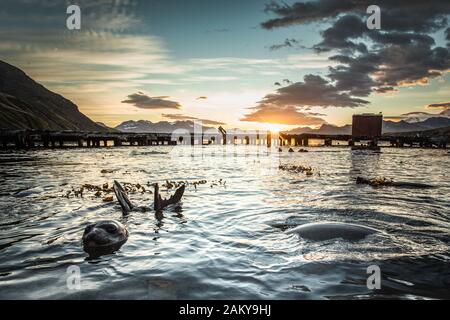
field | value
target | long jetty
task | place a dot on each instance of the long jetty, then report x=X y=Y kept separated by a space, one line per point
x=54 y=139
x=392 y=140
x=60 y=139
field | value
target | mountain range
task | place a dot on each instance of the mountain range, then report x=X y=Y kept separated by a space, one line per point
x=26 y=104
x=388 y=127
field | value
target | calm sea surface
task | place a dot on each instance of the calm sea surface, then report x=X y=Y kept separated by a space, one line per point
x=230 y=239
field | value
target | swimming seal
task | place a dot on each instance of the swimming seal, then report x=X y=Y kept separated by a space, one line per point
x=332 y=230
x=104 y=237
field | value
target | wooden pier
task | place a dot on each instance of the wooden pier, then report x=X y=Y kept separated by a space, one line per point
x=70 y=139
x=60 y=139
x=396 y=140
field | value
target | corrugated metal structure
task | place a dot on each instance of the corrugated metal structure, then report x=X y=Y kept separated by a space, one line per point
x=367 y=125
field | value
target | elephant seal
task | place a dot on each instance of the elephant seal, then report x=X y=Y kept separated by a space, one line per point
x=332 y=230
x=104 y=237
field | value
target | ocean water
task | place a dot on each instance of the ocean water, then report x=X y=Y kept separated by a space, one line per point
x=230 y=240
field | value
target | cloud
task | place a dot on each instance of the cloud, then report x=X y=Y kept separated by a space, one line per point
x=412 y=15
x=290 y=115
x=314 y=91
x=178 y=117
x=318 y=114
x=143 y=101
x=421 y=115
x=182 y=117
x=337 y=36
x=288 y=43
x=402 y=53
x=202 y=98
x=443 y=105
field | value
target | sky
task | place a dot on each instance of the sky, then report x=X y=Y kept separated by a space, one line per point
x=247 y=64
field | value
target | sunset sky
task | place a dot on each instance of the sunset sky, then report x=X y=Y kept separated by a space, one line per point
x=242 y=63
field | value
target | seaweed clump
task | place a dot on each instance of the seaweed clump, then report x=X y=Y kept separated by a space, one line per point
x=104 y=190
x=297 y=169
x=376 y=182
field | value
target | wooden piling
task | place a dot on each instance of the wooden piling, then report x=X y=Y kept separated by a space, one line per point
x=269 y=139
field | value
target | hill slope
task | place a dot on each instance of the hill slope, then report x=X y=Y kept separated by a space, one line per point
x=25 y=104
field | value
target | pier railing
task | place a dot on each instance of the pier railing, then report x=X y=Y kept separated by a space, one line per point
x=58 y=139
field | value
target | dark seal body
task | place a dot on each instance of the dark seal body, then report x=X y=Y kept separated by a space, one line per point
x=332 y=230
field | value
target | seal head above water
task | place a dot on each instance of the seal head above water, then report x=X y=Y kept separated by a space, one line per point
x=104 y=237
x=332 y=230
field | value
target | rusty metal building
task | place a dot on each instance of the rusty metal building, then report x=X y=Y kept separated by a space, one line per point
x=367 y=125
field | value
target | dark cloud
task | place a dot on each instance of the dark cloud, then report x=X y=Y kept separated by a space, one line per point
x=305 y=12
x=312 y=92
x=385 y=89
x=281 y=115
x=402 y=52
x=337 y=36
x=277 y=84
x=283 y=105
x=182 y=117
x=443 y=105
x=288 y=43
x=144 y=101
x=202 y=98
x=412 y=15
x=317 y=114
x=419 y=116
x=178 y=117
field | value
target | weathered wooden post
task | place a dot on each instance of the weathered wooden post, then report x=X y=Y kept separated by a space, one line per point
x=305 y=142
x=269 y=139
x=224 y=135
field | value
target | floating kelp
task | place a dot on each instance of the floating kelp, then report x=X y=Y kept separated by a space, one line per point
x=385 y=182
x=177 y=184
x=108 y=199
x=99 y=191
x=105 y=171
x=297 y=169
x=376 y=182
